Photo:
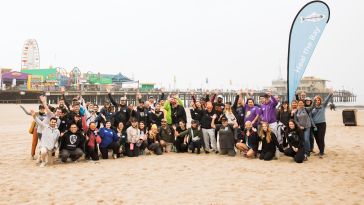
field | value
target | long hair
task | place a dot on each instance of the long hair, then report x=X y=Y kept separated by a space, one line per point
x=153 y=132
x=282 y=109
x=267 y=135
x=318 y=98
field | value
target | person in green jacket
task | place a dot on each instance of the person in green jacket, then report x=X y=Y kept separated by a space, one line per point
x=168 y=107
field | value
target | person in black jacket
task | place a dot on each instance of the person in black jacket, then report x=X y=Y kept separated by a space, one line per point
x=154 y=140
x=180 y=141
x=269 y=143
x=178 y=113
x=156 y=116
x=196 y=111
x=248 y=141
x=239 y=110
x=294 y=139
x=122 y=112
x=72 y=144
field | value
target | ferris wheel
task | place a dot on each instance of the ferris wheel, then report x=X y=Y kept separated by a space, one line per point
x=30 y=56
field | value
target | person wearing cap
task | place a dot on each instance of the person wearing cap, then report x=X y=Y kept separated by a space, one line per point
x=151 y=101
x=226 y=135
x=194 y=139
x=166 y=133
x=122 y=112
x=308 y=106
x=156 y=116
x=173 y=115
x=269 y=114
x=141 y=112
x=207 y=130
x=219 y=106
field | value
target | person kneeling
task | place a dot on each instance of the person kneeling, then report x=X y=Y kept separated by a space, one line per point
x=92 y=139
x=249 y=141
x=153 y=140
x=296 y=142
x=194 y=140
x=226 y=135
x=72 y=143
x=269 y=143
x=109 y=140
x=49 y=140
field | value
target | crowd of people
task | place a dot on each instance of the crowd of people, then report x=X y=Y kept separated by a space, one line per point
x=252 y=129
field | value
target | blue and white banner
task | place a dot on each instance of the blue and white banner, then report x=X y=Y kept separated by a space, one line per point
x=305 y=33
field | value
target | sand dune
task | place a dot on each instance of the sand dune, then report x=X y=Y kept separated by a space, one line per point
x=183 y=178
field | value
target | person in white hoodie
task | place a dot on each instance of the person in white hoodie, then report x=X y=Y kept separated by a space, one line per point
x=49 y=140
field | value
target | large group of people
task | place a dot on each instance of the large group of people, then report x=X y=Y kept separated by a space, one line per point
x=252 y=129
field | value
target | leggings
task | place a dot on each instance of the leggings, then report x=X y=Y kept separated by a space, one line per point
x=267 y=156
x=105 y=150
x=298 y=156
x=320 y=136
x=92 y=152
x=131 y=153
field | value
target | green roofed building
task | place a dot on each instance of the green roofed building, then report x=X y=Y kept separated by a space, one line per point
x=47 y=74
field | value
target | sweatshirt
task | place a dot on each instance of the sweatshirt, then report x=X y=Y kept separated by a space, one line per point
x=302 y=118
x=318 y=113
x=269 y=111
x=49 y=135
x=107 y=137
x=72 y=141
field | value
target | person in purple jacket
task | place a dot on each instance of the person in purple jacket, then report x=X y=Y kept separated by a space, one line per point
x=252 y=113
x=109 y=140
x=269 y=113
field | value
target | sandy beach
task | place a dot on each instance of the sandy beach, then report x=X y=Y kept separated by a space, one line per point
x=183 y=178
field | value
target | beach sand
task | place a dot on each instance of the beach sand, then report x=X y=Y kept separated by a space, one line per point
x=183 y=178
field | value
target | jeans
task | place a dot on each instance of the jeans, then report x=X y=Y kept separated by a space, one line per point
x=209 y=136
x=73 y=154
x=306 y=136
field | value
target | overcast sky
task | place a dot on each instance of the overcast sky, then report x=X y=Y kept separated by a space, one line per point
x=242 y=41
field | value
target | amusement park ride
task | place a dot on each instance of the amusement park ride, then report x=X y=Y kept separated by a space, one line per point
x=30 y=56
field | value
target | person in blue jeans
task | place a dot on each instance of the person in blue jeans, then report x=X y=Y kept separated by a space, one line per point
x=304 y=122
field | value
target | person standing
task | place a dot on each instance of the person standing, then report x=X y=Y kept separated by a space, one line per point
x=319 y=120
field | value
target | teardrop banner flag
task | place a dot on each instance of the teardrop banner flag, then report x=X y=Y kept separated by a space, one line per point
x=305 y=33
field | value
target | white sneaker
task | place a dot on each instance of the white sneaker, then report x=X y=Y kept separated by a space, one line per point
x=115 y=156
x=43 y=164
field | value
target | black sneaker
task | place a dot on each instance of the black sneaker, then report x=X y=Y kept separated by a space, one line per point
x=198 y=151
x=217 y=152
x=206 y=152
